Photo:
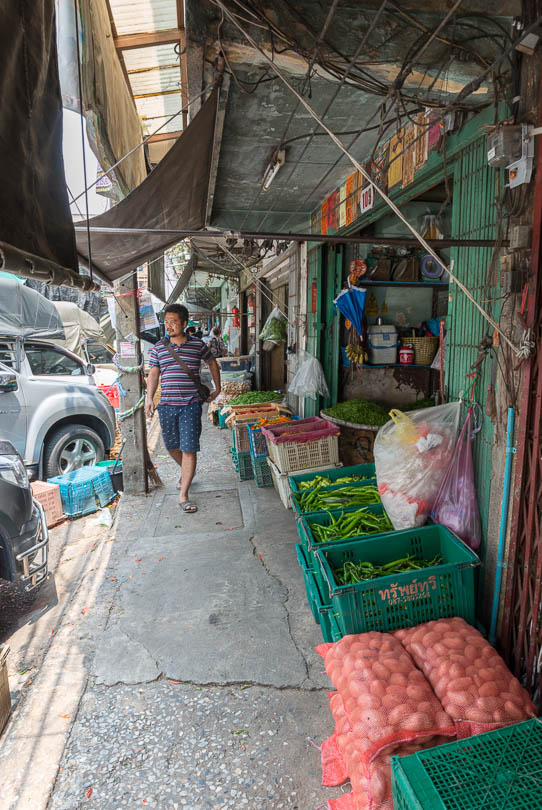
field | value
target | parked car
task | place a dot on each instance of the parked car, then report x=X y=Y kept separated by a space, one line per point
x=51 y=409
x=23 y=528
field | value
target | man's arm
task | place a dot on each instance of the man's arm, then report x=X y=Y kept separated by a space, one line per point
x=152 y=385
x=214 y=368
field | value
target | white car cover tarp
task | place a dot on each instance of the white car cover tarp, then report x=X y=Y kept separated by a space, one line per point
x=26 y=313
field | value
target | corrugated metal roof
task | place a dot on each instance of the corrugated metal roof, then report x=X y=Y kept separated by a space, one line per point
x=142 y=16
x=154 y=71
x=153 y=56
x=156 y=109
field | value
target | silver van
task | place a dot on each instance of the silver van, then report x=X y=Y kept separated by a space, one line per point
x=50 y=407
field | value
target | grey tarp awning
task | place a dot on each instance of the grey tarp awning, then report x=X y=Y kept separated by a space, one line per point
x=173 y=197
x=36 y=229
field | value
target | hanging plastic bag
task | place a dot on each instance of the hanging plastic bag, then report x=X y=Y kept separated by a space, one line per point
x=274 y=330
x=456 y=505
x=412 y=454
x=309 y=379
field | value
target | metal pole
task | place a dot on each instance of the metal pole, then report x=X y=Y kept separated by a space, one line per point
x=294 y=237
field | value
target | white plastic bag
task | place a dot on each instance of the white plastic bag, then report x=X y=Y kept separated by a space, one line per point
x=309 y=379
x=274 y=330
x=412 y=453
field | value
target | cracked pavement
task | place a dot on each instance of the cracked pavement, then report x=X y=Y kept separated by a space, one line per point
x=196 y=683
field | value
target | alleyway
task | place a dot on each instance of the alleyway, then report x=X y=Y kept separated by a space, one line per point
x=200 y=684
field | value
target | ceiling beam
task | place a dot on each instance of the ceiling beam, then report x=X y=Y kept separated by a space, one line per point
x=126 y=42
x=222 y=102
x=165 y=136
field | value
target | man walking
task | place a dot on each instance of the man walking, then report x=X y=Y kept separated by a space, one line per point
x=175 y=361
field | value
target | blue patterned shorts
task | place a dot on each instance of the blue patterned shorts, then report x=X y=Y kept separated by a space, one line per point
x=181 y=426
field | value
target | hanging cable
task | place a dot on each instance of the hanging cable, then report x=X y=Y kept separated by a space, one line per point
x=81 y=118
x=464 y=93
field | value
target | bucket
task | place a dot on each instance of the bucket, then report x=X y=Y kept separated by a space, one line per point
x=406 y=355
x=116 y=477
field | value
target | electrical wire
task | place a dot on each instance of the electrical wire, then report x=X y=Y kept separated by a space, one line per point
x=364 y=173
x=358 y=50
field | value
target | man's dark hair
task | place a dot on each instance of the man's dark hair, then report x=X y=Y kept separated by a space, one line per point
x=216 y=331
x=177 y=309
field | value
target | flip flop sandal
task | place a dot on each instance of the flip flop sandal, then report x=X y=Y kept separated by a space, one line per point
x=188 y=507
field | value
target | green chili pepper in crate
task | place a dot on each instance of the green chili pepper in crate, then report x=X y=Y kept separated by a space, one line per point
x=324 y=481
x=352 y=573
x=350 y=524
x=320 y=499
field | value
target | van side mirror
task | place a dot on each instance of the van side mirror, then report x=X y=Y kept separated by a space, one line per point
x=90 y=369
x=8 y=382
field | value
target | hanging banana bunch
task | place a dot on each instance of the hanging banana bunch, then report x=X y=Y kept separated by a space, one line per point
x=355 y=354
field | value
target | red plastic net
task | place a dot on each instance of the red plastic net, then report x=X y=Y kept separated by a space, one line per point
x=342 y=759
x=386 y=698
x=468 y=676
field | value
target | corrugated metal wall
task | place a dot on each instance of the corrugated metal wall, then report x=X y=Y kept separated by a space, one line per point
x=474 y=215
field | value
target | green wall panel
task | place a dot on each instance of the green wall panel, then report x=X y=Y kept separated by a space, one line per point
x=473 y=215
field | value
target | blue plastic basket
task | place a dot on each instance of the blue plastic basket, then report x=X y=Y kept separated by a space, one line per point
x=258 y=443
x=84 y=490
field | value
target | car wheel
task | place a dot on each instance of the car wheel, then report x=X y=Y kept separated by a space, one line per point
x=71 y=447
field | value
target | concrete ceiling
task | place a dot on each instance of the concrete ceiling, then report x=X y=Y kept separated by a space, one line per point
x=256 y=123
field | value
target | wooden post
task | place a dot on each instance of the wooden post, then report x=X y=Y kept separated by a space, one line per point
x=134 y=432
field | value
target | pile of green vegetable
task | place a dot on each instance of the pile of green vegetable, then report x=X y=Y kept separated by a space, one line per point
x=324 y=481
x=350 y=524
x=324 y=498
x=360 y=412
x=255 y=398
x=352 y=572
x=418 y=405
x=364 y=412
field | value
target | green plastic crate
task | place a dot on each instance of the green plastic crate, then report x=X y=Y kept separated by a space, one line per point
x=331 y=488
x=244 y=468
x=324 y=518
x=499 y=770
x=313 y=598
x=324 y=614
x=408 y=599
x=357 y=469
x=262 y=471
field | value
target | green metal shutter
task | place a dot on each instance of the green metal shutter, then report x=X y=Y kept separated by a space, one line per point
x=474 y=216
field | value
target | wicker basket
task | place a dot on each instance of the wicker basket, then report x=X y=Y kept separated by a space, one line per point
x=5 y=698
x=425 y=349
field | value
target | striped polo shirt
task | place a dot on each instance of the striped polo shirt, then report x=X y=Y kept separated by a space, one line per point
x=177 y=387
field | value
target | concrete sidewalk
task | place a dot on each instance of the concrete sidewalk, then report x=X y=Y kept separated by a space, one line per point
x=201 y=682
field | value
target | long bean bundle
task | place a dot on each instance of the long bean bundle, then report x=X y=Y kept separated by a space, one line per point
x=351 y=524
x=352 y=572
x=324 y=498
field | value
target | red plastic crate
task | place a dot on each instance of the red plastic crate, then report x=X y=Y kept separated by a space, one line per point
x=112 y=394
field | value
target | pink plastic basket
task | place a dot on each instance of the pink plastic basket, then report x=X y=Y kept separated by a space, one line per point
x=306 y=444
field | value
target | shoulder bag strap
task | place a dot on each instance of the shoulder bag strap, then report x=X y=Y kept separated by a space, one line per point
x=185 y=368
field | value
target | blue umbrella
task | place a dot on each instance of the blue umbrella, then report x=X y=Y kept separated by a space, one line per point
x=351 y=304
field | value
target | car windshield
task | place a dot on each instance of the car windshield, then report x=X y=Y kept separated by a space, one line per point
x=97 y=353
x=47 y=360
